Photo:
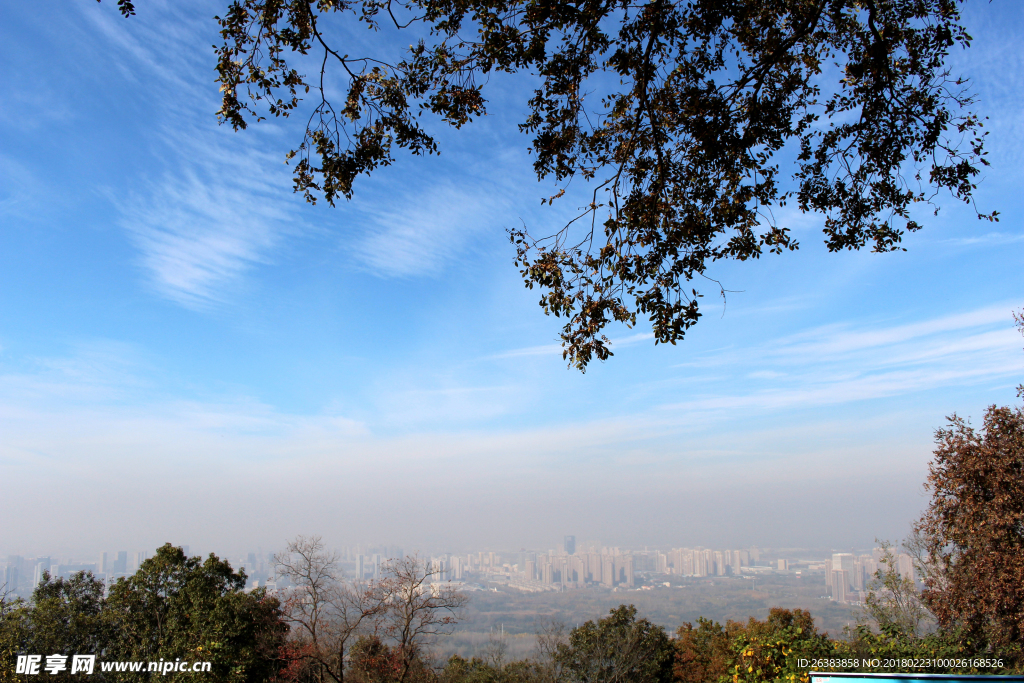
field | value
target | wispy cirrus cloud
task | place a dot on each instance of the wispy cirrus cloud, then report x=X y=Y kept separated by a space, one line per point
x=557 y=349
x=218 y=205
x=419 y=234
x=202 y=227
x=844 y=363
x=991 y=239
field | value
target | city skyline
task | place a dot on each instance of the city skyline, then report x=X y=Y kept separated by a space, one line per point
x=845 y=574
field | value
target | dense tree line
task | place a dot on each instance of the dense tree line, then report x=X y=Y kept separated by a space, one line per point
x=174 y=608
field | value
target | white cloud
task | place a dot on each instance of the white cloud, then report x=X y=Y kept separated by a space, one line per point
x=843 y=363
x=201 y=229
x=558 y=349
x=220 y=205
x=419 y=234
x=991 y=239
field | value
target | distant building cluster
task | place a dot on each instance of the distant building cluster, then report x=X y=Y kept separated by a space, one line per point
x=572 y=566
x=848 y=576
x=705 y=562
x=22 y=575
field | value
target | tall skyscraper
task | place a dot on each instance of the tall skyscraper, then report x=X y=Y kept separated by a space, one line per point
x=842 y=575
x=608 y=570
x=137 y=560
x=42 y=565
x=569 y=545
x=121 y=563
x=840 y=583
x=11 y=578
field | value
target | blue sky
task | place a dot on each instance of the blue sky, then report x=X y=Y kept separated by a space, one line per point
x=188 y=352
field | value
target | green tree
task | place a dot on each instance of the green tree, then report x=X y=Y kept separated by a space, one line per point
x=183 y=607
x=12 y=614
x=66 y=617
x=974 y=530
x=460 y=670
x=690 y=123
x=616 y=649
x=770 y=650
x=939 y=647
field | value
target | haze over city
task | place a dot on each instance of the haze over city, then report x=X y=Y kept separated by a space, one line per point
x=191 y=354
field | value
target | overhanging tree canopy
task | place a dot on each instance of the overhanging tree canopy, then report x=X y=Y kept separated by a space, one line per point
x=691 y=121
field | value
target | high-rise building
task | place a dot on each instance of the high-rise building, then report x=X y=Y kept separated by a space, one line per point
x=569 y=545
x=15 y=573
x=625 y=567
x=702 y=563
x=42 y=565
x=608 y=570
x=593 y=570
x=844 y=562
x=840 y=584
x=376 y=566
x=842 y=571
x=719 y=559
x=137 y=560
x=530 y=570
x=121 y=563
x=11 y=578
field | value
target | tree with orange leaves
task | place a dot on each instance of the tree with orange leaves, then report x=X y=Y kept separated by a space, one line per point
x=974 y=529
